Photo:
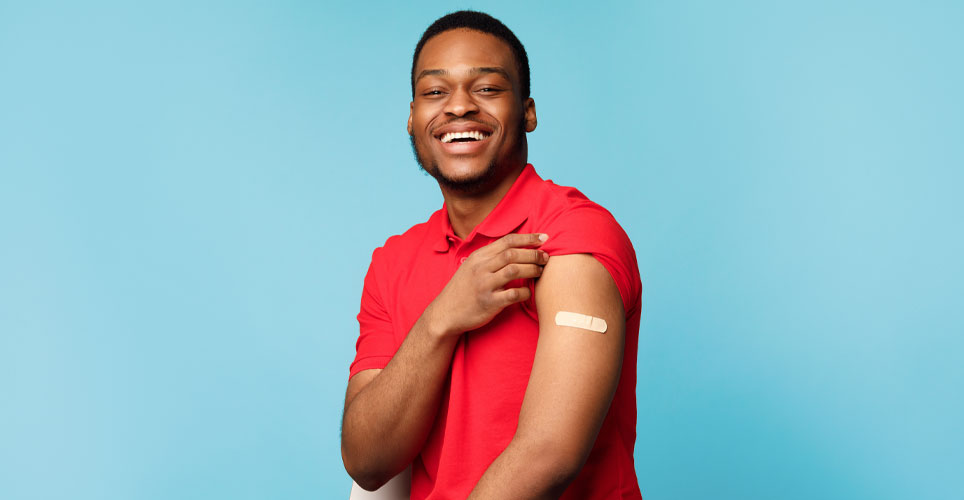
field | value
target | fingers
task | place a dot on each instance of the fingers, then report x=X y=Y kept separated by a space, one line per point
x=477 y=290
x=511 y=248
x=512 y=295
x=511 y=258
x=516 y=240
x=515 y=272
x=517 y=256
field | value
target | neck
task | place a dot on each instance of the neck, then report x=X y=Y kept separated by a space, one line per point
x=466 y=211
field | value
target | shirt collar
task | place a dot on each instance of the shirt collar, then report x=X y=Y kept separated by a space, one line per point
x=511 y=211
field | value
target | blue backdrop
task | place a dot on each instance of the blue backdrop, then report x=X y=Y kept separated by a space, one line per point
x=190 y=193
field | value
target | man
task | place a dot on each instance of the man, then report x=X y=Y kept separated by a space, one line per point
x=464 y=368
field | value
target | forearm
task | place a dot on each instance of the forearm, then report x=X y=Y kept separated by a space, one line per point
x=386 y=423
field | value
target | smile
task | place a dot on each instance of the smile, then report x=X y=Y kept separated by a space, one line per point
x=469 y=136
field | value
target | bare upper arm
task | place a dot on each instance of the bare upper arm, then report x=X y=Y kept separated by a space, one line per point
x=575 y=371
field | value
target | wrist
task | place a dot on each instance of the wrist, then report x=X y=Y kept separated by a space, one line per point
x=435 y=324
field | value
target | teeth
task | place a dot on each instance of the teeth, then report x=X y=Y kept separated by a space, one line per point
x=474 y=134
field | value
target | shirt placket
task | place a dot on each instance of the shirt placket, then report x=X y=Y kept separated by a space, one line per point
x=465 y=248
x=461 y=252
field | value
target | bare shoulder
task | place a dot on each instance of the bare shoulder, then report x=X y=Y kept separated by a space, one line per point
x=577 y=283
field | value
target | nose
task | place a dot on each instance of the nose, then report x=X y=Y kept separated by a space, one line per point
x=461 y=103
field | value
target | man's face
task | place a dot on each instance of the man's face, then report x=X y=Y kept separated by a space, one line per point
x=467 y=119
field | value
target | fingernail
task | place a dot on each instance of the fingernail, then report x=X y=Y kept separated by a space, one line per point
x=543 y=237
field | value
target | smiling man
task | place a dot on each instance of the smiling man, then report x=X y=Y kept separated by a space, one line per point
x=497 y=345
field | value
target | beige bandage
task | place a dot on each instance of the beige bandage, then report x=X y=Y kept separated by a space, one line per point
x=586 y=322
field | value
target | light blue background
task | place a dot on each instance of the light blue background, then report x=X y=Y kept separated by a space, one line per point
x=190 y=193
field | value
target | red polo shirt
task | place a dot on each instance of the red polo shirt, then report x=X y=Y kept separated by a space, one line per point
x=490 y=369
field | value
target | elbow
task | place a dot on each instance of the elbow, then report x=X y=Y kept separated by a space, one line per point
x=564 y=469
x=368 y=484
x=370 y=465
x=364 y=474
x=368 y=480
x=555 y=463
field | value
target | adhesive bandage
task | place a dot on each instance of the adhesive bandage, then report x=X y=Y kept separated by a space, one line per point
x=576 y=320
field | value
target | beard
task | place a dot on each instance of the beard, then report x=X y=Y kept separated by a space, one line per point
x=478 y=183
x=466 y=185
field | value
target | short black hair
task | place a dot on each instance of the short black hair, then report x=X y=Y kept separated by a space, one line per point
x=478 y=21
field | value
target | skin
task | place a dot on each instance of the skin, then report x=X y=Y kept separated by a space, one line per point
x=468 y=80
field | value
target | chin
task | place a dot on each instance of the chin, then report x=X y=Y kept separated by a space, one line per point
x=467 y=175
x=464 y=171
x=464 y=178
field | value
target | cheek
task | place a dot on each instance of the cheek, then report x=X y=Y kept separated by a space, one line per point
x=424 y=113
x=511 y=117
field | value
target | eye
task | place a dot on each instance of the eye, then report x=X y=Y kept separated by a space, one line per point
x=432 y=93
x=488 y=90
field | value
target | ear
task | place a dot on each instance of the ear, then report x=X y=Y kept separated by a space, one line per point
x=530 y=114
x=411 y=108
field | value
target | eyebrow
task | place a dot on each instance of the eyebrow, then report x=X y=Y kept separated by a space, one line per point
x=484 y=70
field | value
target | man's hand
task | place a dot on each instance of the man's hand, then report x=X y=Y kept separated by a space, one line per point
x=476 y=293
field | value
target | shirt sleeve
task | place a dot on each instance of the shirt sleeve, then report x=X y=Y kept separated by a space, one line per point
x=591 y=229
x=376 y=341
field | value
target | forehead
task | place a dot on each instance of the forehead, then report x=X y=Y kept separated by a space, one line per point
x=462 y=48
